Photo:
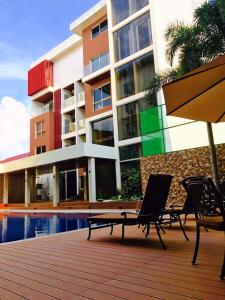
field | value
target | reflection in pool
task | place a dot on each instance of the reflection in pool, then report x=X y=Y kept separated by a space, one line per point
x=18 y=226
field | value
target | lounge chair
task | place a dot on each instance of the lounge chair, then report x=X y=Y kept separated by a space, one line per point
x=175 y=211
x=150 y=213
x=209 y=210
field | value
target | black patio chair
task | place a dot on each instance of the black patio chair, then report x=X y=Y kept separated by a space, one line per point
x=175 y=211
x=153 y=203
x=209 y=210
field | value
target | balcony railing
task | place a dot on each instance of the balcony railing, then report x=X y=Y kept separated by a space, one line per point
x=94 y=66
x=80 y=98
x=82 y=124
x=43 y=109
x=70 y=127
x=69 y=102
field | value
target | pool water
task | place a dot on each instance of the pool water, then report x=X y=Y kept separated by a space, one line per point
x=14 y=227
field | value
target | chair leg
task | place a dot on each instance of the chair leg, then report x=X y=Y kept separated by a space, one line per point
x=111 y=232
x=161 y=228
x=89 y=231
x=158 y=232
x=222 y=275
x=148 y=229
x=144 y=228
x=185 y=219
x=182 y=228
x=122 y=238
x=196 y=244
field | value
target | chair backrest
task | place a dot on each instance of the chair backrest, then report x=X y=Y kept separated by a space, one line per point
x=156 y=194
x=204 y=196
x=188 y=205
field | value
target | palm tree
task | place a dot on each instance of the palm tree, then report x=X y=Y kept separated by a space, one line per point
x=194 y=45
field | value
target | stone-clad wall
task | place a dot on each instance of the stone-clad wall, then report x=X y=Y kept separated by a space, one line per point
x=181 y=164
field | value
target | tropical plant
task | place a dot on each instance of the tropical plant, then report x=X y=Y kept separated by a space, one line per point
x=193 y=45
x=131 y=183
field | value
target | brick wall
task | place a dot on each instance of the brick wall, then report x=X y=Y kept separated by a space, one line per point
x=181 y=164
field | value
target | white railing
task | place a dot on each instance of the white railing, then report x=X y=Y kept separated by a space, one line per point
x=69 y=102
x=43 y=109
x=80 y=97
x=81 y=124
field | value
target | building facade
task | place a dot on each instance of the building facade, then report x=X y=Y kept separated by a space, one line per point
x=89 y=118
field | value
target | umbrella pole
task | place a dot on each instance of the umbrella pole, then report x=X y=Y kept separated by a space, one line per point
x=212 y=150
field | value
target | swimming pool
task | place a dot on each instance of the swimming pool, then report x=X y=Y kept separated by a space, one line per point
x=18 y=226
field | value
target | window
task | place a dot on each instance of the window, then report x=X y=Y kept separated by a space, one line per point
x=102 y=97
x=40 y=149
x=133 y=77
x=39 y=129
x=122 y=9
x=100 y=28
x=130 y=152
x=133 y=37
x=128 y=118
x=99 y=62
x=102 y=132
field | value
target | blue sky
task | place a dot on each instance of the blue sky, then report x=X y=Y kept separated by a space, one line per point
x=28 y=29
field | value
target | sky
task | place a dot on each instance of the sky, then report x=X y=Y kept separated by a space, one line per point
x=28 y=29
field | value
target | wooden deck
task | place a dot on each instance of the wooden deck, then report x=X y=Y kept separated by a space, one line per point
x=66 y=266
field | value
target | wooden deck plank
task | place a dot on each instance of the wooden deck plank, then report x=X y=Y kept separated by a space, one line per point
x=66 y=266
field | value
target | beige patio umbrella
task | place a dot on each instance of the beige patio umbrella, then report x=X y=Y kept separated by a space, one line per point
x=200 y=95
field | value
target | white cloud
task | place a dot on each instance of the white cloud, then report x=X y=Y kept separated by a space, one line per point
x=14 y=128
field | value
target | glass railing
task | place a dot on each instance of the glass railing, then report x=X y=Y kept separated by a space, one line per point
x=69 y=102
x=97 y=64
x=43 y=109
x=70 y=127
x=80 y=98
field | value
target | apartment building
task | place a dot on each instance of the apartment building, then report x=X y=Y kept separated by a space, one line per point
x=89 y=117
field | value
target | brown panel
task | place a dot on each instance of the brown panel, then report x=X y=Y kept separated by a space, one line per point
x=96 y=46
x=47 y=139
x=89 y=109
x=16 y=188
x=1 y=188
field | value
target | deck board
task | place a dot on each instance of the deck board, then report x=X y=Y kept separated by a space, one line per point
x=67 y=266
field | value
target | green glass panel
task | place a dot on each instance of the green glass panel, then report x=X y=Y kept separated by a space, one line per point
x=151 y=122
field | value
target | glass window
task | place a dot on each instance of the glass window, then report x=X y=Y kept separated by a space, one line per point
x=128 y=118
x=133 y=77
x=103 y=26
x=125 y=81
x=133 y=37
x=102 y=132
x=102 y=97
x=99 y=62
x=122 y=9
x=39 y=129
x=130 y=152
x=40 y=149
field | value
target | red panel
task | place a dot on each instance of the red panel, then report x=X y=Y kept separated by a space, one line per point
x=15 y=157
x=57 y=119
x=40 y=77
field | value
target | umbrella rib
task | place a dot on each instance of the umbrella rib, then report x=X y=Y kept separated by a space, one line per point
x=193 y=74
x=220 y=117
x=190 y=100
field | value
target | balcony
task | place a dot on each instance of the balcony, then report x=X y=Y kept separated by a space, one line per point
x=43 y=109
x=69 y=102
x=97 y=67
x=69 y=128
x=81 y=99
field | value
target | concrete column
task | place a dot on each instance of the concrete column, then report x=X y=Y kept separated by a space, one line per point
x=118 y=174
x=27 y=188
x=6 y=189
x=55 y=186
x=91 y=180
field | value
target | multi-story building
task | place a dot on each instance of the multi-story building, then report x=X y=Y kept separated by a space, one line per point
x=89 y=117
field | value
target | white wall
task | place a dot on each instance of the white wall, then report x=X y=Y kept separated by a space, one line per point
x=68 y=67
